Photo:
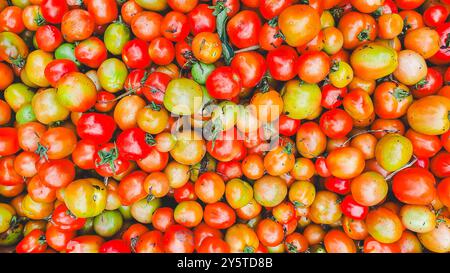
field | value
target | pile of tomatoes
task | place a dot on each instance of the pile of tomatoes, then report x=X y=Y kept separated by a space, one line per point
x=224 y=126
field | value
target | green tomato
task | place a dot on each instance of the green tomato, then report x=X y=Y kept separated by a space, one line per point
x=17 y=95
x=88 y=227
x=116 y=36
x=25 y=114
x=373 y=61
x=112 y=74
x=126 y=212
x=143 y=209
x=300 y=99
x=393 y=151
x=108 y=223
x=183 y=97
x=12 y=236
x=6 y=216
x=67 y=51
x=200 y=71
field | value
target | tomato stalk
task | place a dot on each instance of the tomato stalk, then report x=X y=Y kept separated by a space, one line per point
x=412 y=162
x=388 y=131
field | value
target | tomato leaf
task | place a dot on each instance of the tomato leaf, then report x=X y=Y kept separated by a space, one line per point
x=221 y=22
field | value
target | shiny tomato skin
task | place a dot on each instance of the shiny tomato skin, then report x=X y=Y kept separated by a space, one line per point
x=96 y=127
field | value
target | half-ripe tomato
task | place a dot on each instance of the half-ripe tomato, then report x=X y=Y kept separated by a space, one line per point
x=209 y=187
x=146 y=25
x=96 y=127
x=91 y=52
x=128 y=10
x=54 y=10
x=201 y=19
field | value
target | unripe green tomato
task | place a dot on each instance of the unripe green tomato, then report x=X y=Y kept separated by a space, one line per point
x=25 y=114
x=108 y=223
x=200 y=71
x=67 y=51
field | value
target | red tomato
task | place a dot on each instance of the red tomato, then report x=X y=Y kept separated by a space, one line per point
x=58 y=68
x=201 y=19
x=282 y=63
x=33 y=242
x=48 y=38
x=352 y=209
x=243 y=29
x=115 y=246
x=53 y=10
x=224 y=83
x=96 y=127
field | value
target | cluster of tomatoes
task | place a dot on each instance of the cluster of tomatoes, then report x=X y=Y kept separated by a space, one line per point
x=314 y=126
